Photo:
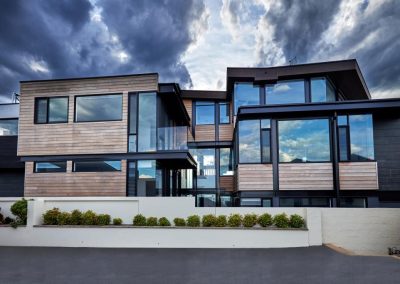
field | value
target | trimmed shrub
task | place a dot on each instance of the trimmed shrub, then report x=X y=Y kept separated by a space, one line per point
x=89 y=218
x=51 y=216
x=249 y=220
x=164 y=222
x=296 y=221
x=179 y=222
x=265 y=220
x=64 y=218
x=221 y=221
x=235 y=220
x=281 y=221
x=152 y=221
x=209 y=220
x=193 y=221
x=117 y=221
x=20 y=210
x=103 y=219
x=8 y=220
x=139 y=220
x=76 y=217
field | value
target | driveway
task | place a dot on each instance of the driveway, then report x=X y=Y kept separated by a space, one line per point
x=289 y=265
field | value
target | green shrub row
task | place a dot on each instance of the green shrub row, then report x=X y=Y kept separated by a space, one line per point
x=76 y=217
x=20 y=210
x=140 y=220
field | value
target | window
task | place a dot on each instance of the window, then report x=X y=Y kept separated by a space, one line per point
x=51 y=110
x=255 y=202
x=249 y=141
x=224 y=117
x=304 y=140
x=351 y=202
x=225 y=201
x=97 y=166
x=131 y=189
x=147 y=139
x=225 y=162
x=205 y=159
x=8 y=127
x=132 y=139
x=322 y=90
x=205 y=113
x=50 y=167
x=98 y=108
x=304 y=202
x=265 y=141
x=149 y=182
x=285 y=92
x=246 y=94
x=206 y=200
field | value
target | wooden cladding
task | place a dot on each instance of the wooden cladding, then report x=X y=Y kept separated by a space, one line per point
x=75 y=183
x=358 y=176
x=83 y=137
x=253 y=177
x=188 y=105
x=225 y=132
x=205 y=133
x=226 y=183
x=306 y=176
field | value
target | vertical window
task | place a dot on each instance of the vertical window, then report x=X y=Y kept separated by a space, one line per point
x=246 y=94
x=205 y=113
x=205 y=159
x=98 y=108
x=147 y=122
x=343 y=143
x=322 y=90
x=132 y=138
x=8 y=127
x=265 y=141
x=285 y=92
x=249 y=141
x=51 y=110
x=361 y=138
x=225 y=162
x=224 y=117
x=149 y=181
x=131 y=190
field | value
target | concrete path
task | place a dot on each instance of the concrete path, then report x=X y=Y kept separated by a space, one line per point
x=89 y=265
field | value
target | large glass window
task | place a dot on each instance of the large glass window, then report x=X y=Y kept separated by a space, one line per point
x=205 y=113
x=249 y=141
x=98 y=108
x=205 y=159
x=225 y=162
x=224 y=116
x=285 y=92
x=304 y=140
x=147 y=122
x=132 y=139
x=8 y=127
x=51 y=110
x=50 y=167
x=361 y=138
x=246 y=94
x=149 y=182
x=304 y=202
x=97 y=166
x=322 y=90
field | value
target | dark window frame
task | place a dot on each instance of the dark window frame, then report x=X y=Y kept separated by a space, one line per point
x=130 y=95
x=261 y=91
x=232 y=162
x=48 y=108
x=97 y=160
x=55 y=171
x=98 y=95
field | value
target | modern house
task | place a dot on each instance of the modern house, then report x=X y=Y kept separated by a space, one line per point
x=299 y=135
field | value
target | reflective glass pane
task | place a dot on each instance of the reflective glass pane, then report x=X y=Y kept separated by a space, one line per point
x=131 y=179
x=343 y=145
x=149 y=178
x=285 y=92
x=351 y=202
x=98 y=108
x=132 y=113
x=206 y=200
x=304 y=140
x=8 y=127
x=132 y=143
x=246 y=94
x=265 y=123
x=342 y=120
x=205 y=159
x=224 y=113
x=304 y=202
x=322 y=90
x=97 y=166
x=226 y=201
x=225 y=162
x=147 y=139
x=41 y=110
x=266 y=145
x=361 y=137
x=58 y=109
x=50 y=167
x=205 y=113
x=250 y=202
x=249 y=141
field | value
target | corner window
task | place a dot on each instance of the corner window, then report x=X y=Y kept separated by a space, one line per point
x=304 y=140
x=8 y=127
x=51 y=110
x=98 y=108
x=225 y=162
x=249 y=141
x=205 y=159
x=224 y=116
x=322 y=90
x=205 y=113
x=246 y=94
x=97 y=166
x=50 y=167
x=285 y=92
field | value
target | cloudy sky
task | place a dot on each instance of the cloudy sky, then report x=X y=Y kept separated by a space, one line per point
x=193 y=41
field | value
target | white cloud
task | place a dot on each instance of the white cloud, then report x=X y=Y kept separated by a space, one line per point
x=38 y=66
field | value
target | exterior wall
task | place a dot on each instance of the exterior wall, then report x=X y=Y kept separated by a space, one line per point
x=77 y=138
x=254 y=177
x=11 y=169
x=226 y=132
x=358 y=176
x=306 y=176
x=226 y=183
x=205 y=133
x=75 y=183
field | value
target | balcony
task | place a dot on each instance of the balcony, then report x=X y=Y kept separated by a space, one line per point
x=173 y=138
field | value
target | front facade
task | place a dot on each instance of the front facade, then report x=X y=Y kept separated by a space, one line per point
x=301 y=135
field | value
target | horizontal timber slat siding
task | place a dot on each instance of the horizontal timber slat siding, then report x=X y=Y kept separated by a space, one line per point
x=205 y=133
x=226 y=132
x=75 y=183
x=226 y=183
x=358 y=176
x=83 y=137
x=188 y=105
x=253 y=177
x=307 y=176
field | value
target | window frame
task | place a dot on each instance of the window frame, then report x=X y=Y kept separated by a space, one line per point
x=238 y=143
x=260 y=96
x=133 y=96
x=50 y=172
x=231 y=159
x=99 y=95
x=214 y=111
x=35 y=115
x=111 y=160
x=228 y=105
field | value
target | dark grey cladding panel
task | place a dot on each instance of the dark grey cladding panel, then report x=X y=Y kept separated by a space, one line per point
x=8 y=153
x=9 y=111
x=11 y=183
x=387 y=150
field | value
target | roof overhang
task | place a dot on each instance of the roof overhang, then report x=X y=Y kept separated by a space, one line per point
x=174 y=101
x=203 y=95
